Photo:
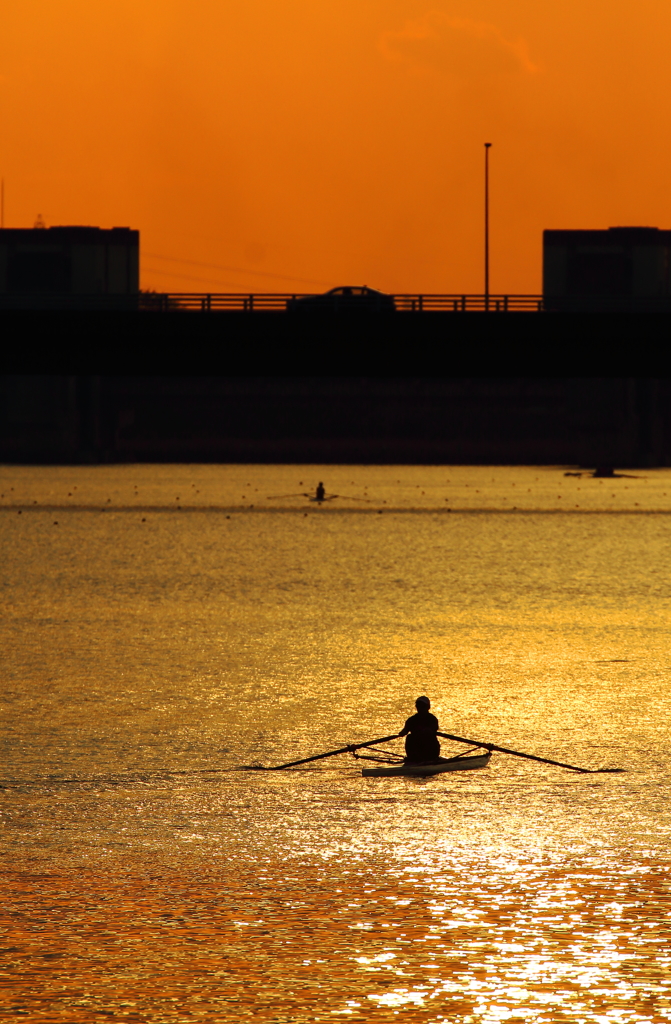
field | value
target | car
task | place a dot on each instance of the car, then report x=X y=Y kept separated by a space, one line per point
x=346 y=299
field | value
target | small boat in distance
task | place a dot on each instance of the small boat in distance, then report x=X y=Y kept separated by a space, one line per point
x=442 y=764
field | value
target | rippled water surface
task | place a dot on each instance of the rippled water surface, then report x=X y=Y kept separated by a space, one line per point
x=163 y=625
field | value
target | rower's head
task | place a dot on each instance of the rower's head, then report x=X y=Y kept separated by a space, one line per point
x=422 y=703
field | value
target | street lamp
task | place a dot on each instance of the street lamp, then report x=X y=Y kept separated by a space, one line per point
x=487 y=148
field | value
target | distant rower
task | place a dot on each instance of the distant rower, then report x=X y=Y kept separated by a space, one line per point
x=421 y=743
x=320 y=493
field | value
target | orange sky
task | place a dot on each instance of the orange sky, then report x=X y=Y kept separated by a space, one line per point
x=282 y=145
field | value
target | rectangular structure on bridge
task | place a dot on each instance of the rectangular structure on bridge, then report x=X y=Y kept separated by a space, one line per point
x=617 y=269
x=69 y=268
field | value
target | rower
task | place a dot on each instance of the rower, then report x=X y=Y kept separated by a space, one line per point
x=320 y=493
x=420 y=731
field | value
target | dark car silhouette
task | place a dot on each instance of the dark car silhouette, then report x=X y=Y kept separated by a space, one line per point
x=346 y=299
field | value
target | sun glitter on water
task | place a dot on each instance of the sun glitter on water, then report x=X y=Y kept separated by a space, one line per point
x=147 y=644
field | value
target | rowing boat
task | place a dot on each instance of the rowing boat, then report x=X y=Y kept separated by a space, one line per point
x=443 y=764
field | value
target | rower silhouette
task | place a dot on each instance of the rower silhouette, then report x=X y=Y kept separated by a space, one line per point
x=420 y=730
x=320 y=492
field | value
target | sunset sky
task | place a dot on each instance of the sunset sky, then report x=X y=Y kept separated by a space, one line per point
x=281 y=145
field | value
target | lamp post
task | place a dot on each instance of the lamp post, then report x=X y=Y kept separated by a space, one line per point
x=487 y=148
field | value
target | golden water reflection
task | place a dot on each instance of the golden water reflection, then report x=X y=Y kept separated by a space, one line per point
x=304 y=941
x=141 y=653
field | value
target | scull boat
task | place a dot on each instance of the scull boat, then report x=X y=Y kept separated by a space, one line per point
x=443 y=764
x=396 y=765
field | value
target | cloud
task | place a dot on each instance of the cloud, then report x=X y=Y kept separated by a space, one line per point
x=456 y=47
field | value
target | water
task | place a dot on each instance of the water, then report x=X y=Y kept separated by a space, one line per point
x=158 y=631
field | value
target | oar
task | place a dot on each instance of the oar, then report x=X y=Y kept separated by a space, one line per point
x=530 y=757
x=318 y=757
x=301 y=494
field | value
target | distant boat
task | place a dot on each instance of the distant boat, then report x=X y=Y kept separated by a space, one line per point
x=442 y=764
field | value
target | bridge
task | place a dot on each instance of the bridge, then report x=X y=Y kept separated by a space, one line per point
x=276 y=302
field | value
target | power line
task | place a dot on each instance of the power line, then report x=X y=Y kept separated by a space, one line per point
x=234 y=270
x=188 y=277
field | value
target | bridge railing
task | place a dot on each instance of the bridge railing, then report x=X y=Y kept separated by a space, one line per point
x=410 y=302
x=468 y=303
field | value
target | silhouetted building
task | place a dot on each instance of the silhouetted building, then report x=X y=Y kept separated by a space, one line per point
x=69 y=268
x=618 y=269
